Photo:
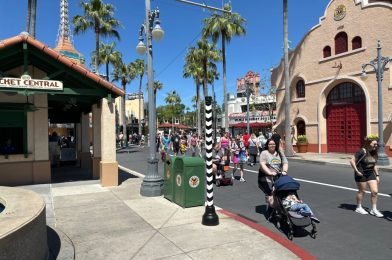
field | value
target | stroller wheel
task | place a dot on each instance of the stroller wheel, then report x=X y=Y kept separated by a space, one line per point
x=217 y=183
x=313 y=235
x=290 y=235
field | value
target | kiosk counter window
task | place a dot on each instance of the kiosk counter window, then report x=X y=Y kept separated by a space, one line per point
x=13 y=132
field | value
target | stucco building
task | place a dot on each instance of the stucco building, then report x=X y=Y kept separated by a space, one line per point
x=330 y=102
x=262 y=107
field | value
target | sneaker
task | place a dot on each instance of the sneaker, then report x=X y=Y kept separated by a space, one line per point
x=242 y=179
x=361 y=211
x=313 y=217
x=232 y=177
x=219 y=177
x=376 y=213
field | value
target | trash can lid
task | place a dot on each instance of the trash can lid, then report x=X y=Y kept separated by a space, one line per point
x=190 y=161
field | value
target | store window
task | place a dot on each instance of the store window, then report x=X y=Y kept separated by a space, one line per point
x=326 y=51
x=356 y=43
x=13 y=132
x=300 y=89
x=341 y=44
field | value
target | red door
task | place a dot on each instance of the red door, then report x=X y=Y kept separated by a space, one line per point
x=345 y=127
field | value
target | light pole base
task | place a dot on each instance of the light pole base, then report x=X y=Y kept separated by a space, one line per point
x=382 y=159
x=210 y=218
x=152 y=184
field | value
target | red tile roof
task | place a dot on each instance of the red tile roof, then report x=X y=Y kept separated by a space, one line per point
x=61 y=58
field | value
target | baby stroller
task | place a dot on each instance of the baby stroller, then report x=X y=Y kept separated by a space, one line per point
x=283 y=186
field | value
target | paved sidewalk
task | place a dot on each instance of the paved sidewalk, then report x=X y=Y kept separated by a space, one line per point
x=87 y=221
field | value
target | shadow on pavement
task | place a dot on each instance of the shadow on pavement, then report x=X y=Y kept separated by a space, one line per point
x=348 y=206
x=54 y=243
x=262 y=209
x=387 y=215
x=123 y=176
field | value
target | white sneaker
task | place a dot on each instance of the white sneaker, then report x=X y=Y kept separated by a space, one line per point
x=242 y=179
x=361 y=211
x=232 y=177
x=376 y=213
x=219 y=177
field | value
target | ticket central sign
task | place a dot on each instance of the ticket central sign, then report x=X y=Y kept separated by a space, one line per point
x=26 y=82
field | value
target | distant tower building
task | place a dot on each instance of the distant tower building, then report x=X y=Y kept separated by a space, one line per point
x=251 y=78
x=64 y=42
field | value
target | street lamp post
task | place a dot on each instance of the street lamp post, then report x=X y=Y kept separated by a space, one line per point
x=152 y=183
x=247 y=107
x=378 y=66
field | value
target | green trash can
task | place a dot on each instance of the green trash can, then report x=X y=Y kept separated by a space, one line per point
x=189 y=181
x=168 y=184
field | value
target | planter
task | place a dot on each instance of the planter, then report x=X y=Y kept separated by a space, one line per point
x=302 y=148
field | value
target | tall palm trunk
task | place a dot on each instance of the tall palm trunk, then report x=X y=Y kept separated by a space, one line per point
x=107 y=71
x=225 y=84
x=28 y=21
x=288 y=146
x=33 y=17
x=198 y=106
x=124 y=123
x=97 y=49
x=140 y=111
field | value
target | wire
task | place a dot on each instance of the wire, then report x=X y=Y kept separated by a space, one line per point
x=179 y=54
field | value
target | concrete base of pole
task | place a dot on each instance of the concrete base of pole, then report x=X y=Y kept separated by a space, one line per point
x=210 y=218
x=382 y=158
x=152 y=185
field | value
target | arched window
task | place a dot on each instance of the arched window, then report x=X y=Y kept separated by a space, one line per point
x=326 y=51
x=341 y=44
x=356 y=43
x=301 y=127
x=300 y=89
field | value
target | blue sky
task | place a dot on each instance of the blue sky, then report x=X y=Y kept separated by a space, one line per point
x=258 y=50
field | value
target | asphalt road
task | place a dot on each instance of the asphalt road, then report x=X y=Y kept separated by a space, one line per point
x=342 y=233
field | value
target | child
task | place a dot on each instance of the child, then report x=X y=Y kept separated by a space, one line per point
x=292 y=203
x=239 y=158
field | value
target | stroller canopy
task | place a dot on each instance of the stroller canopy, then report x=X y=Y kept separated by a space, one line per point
x=286 y=182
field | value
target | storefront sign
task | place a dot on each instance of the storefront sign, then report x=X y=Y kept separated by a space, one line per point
x=26 y=82
x=340 y=13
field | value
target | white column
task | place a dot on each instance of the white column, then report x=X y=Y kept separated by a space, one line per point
x=108 y=165
x=41 y=165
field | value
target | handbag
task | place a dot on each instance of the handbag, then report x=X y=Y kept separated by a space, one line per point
x=252 y=149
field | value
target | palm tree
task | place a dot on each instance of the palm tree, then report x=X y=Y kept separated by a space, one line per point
x=157 y=86
x=107 y=55
x=172 y=99
x=31 y=17
x=207 y=55
x=225 y=27
x=139 y=67
x=124 y=74
x=98 y=16
x=193 y=68
x=287 y=128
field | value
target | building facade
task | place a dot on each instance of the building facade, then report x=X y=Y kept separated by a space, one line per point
x=330 y=102
x=262 y=107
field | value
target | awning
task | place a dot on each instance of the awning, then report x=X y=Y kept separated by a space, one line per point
x=255 y=124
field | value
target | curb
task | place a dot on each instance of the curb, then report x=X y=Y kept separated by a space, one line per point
x=298 y=251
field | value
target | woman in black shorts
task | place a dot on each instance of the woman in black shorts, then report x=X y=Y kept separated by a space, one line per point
x=366 y=174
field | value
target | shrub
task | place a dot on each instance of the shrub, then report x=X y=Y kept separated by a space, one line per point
x=301 y=139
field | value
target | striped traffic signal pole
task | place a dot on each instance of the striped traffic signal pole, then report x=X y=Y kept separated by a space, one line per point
x=210 y=218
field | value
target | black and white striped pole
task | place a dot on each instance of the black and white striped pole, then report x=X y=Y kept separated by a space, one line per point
x=210 y=218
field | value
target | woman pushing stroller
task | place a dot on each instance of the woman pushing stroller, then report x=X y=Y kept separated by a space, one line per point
x=273 y=162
